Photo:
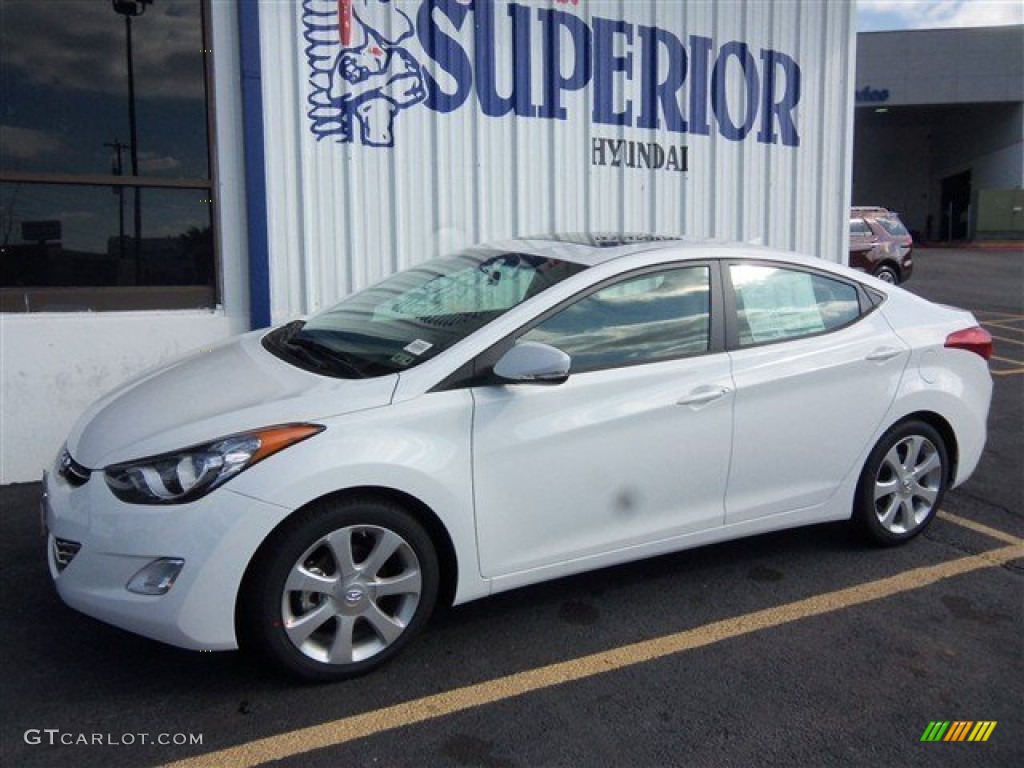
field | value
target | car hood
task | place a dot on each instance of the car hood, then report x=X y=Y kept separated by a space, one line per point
x=235 y=387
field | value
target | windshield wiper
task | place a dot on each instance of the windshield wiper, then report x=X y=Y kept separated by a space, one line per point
x=322 y=356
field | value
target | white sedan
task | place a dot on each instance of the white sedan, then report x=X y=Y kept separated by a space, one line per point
x=513 y=413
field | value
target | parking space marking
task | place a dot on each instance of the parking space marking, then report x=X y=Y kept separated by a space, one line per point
x=994 y=533
x=1011 y=341
x=348 y=729
x=1010 y=323
x=1011 y=315
x=1006 y=360
x=1010 y=332
x=1012 y=326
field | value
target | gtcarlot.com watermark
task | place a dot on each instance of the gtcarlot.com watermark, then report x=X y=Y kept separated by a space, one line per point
x=56 y=737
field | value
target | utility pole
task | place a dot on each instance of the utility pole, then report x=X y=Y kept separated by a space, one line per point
x=131 y=9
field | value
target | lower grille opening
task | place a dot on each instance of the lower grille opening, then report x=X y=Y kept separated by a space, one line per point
x=64 y=552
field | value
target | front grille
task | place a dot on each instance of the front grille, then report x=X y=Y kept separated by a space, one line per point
x=72 y=472
x=64 y=552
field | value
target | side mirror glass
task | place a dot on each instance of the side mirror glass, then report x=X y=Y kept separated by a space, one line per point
x=530 y=362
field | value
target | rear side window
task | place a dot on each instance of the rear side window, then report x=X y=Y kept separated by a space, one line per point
x=777 y=304
x=643 y=319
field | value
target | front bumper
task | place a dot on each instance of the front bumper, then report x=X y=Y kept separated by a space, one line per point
x=96 y=544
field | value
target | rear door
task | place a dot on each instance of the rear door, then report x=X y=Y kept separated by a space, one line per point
x=815 y=370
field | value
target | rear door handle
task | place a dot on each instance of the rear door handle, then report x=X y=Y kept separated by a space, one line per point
x=703 y=395
x=883 y=353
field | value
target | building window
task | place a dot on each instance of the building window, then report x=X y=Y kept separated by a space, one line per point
x=105 y=173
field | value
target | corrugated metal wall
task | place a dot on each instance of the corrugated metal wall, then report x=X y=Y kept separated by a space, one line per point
x=350 y=201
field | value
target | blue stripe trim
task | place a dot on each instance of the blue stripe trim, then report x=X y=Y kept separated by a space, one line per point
x=255 y=174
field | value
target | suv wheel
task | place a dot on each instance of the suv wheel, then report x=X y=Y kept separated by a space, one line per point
x=887 y=274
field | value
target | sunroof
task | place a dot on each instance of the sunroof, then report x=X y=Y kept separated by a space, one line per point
x=604 y=239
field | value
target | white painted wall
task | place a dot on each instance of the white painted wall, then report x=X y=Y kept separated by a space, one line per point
x=345 y=213
x=52 y=365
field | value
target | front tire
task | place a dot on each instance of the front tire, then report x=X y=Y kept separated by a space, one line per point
x=340 y=590
x=902 y=484
x=887 y=275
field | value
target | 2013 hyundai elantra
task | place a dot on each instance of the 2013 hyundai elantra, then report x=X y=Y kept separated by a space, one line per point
x=508 y=414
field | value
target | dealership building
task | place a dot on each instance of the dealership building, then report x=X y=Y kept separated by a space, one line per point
x=174 y=173
x=939 y=130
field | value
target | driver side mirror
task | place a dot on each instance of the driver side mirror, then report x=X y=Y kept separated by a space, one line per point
x=530 y=362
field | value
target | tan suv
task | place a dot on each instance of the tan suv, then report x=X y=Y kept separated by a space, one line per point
x=880 y=244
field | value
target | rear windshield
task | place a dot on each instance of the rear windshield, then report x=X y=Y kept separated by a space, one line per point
x=415 y=315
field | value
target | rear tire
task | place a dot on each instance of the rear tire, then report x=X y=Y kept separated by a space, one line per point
x=340 y=590
x=902 y=483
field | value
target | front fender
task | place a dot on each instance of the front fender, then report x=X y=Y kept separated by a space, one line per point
x=420 y=448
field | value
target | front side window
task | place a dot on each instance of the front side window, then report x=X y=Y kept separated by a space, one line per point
x=776 y=303
x=642 y=319
x=105 y=174
x=859 y=228
x=414 y=315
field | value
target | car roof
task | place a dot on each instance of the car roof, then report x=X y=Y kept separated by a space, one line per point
x=591 y=249
x=872 y=210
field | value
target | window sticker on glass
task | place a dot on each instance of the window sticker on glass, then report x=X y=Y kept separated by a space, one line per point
x=777 y=303
x=402 y=360
x=417 y=347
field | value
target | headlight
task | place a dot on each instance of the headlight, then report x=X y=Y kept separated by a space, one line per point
x=186 y=475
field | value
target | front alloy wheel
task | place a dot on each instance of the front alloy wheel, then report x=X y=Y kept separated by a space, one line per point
x=340 y=590
x=903 y=483
x=351 y=594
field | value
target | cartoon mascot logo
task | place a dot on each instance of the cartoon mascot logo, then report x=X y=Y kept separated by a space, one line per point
x=361 y=75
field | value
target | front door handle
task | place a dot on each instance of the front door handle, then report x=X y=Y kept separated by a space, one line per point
x=703 y=395
x=883 y=353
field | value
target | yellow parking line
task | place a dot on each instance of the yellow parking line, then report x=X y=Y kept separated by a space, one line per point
x=1004 y=315
x=1006 y=323
x=1011 y=341
x=1007 y=360
x=428 y=708
x=994 y=533
x=1008 y=372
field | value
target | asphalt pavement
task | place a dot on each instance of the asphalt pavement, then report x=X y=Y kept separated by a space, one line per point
x=802 y=648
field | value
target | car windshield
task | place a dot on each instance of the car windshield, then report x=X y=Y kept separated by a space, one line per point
x=417 y=314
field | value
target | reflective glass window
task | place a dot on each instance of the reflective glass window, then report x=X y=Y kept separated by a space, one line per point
x=105 y=178
x=642 y=319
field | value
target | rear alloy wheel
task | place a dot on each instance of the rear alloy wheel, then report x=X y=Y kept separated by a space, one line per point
x=341 y=590
x=887 y=275
x=902 y=484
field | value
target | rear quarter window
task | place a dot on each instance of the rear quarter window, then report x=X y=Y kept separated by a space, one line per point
x=893 y=226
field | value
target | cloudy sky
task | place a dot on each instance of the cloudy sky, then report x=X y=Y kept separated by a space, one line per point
x=877 y=15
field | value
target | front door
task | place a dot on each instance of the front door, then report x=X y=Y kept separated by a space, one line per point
x=632 y=449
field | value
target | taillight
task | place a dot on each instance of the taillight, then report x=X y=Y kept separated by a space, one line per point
x=976 y=340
